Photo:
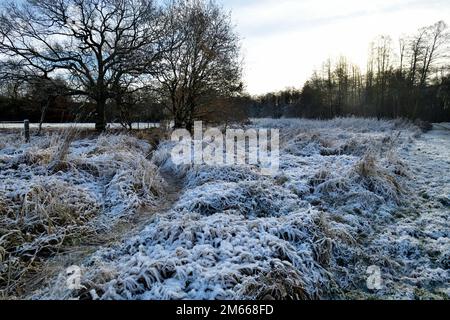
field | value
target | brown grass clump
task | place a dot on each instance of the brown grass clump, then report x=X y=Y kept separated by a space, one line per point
x=46 y=220
x=330 y=236
x=367 y=166
x=378 y=179
x=58 y=160
x=320 y=177
x=153 y=135
x=283 y=282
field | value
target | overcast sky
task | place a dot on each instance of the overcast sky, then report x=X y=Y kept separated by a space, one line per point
x=285 y=40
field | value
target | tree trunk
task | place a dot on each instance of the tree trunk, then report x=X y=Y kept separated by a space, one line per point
x=178 y=123
x=190 y=126
x=100 y=121
x=178 y=119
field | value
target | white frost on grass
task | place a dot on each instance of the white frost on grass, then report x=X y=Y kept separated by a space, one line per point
x=46 y=205
x=114 y=169
x=186 y=255
x=350 y=193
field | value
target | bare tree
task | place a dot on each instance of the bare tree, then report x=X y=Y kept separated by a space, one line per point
x=12 y=80
x=402 y=51
x=330 y=86
x=94 y=44
x=416 y=53
x=426 y=50
x=436 y=37
x=204 y=60
x=342 y=78
x=383 y=55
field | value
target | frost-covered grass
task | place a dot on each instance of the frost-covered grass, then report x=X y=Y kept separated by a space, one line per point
x=350 y=193
x=60 y=190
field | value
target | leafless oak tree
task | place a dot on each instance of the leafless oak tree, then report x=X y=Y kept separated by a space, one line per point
x=95 y=45
x=204 y=60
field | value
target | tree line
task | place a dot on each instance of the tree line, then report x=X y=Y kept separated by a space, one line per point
x=410 y=79
x=114 y=56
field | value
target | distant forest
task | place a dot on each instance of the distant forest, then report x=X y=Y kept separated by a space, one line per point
x=408 y=78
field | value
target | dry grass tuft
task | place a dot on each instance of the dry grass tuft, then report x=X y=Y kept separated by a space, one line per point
x=283 y=282
x=153 y=136
x=45 y=221
x=58 y=160
x=377 y=179
x=43 y=212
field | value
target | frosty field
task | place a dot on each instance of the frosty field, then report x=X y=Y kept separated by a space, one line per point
x=351 y=196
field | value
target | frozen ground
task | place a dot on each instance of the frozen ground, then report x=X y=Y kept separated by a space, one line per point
x=351 y=195
x=58 y=193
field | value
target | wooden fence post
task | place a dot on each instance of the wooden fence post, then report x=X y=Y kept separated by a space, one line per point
x=26 y=124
